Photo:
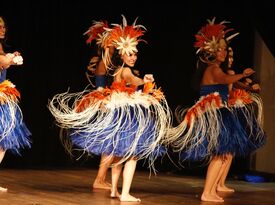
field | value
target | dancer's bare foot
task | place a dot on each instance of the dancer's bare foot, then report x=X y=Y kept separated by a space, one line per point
x=215 y=194
x=2 y=189
x=101 y=185
x=129 y=198
x=211 y=198
x=225 y=189
x=114 y=194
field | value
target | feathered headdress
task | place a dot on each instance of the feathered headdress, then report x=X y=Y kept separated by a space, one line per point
x=98 y=32
x=209 y=36
x=125 y=37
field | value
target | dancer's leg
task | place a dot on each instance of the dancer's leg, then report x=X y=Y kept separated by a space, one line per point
x=221 y=183
x=128 y=174
x=116 y=171
x=213 y=170
x=222 y=169
x=100 y=180
x=2 y=154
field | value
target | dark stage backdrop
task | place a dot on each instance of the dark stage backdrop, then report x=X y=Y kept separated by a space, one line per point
x=49 y=36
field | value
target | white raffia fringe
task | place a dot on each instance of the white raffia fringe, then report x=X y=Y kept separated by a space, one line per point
x=99 y=115
x=8 y=114
x=187 y=135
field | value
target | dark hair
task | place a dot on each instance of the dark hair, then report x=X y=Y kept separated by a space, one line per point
x=197 y=76
x=203 y=59
x=116 y=59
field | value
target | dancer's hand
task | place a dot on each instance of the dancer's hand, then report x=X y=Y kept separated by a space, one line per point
x=18 y=60
x=248 y=71
x=148 y=78
x=15 y=58
x=256 y=86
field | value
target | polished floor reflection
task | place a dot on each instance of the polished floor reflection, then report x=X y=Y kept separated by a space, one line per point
x=73 y=187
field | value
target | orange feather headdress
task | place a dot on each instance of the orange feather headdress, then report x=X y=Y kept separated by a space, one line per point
x=209 y=36
x=98 y=32
x=125 y=37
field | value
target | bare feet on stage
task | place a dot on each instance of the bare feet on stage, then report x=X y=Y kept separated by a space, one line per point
x=211 y=198
x=225 y=189
x=101 y=185
x=129 y=198
x=114 y=194
x=2 y=189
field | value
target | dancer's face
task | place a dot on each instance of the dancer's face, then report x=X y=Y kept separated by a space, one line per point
x=230 y=57
x=2 y=29
x=230 y=61
x=222 y=51
x=130 y=59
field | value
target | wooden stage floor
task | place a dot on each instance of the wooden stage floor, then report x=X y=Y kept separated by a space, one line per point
x=73 y=187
